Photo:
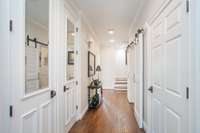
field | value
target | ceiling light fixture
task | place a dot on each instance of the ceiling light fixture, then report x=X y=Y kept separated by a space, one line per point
x=111 y=31
x=112 y=41
x=73 y=34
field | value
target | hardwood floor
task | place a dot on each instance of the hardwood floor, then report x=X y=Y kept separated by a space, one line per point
x=115 y=115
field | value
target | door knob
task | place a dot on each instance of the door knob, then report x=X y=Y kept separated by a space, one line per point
x=53 y=93
x=150 y=89
x=65 y=88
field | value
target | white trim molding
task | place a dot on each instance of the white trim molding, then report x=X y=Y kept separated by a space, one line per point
x=70 y=125
x=81 y=114
x=138 y=119
x=194 y=77
x=145 y=127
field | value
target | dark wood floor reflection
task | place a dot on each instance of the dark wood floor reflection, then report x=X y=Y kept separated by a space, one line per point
x=115 y=115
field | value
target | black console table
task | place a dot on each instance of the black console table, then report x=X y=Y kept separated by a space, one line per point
x=95 y=94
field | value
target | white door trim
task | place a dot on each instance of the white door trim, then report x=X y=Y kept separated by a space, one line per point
x=139 y=82
x=147 y=40
x=141 y=38
x=194 y=108
x=5 y=95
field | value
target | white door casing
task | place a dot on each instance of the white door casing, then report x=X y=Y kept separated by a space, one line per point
x=33 y=112
x=169 y=69
x=147 y=78
x=139 y=80
x=194 y=32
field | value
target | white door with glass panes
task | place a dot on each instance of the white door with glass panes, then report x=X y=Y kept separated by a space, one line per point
x=31 y=52
x=169 y=69
x=70 y=79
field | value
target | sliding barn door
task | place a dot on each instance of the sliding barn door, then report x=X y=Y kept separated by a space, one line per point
x=139 y=80
x=131 y=73
x=169 y=53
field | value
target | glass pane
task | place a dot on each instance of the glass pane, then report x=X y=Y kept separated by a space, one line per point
x=36 y=46
x=70 y=50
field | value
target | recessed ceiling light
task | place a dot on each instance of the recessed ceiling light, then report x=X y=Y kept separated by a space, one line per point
x=111 y=31
x=112 y=41
x=73 y=34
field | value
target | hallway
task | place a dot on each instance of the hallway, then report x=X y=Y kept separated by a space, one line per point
x=59 y=56
x=115 y=115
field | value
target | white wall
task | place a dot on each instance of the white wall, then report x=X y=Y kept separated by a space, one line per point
x=146 y=11
x=86 y=36
x=113 y=64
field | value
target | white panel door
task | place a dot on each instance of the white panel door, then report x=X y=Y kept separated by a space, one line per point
x=70 y=70
x=70 y=103
x=169 y=53
x=32 y=67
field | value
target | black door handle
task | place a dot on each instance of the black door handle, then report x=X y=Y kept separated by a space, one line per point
x=65 y=89
x=151 y=89
x=53 y=93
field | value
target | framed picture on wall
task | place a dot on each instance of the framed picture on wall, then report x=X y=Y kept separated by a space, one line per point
x=91 y=64
x=70 y=57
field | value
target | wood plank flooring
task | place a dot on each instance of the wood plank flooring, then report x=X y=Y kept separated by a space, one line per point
x=115 y=115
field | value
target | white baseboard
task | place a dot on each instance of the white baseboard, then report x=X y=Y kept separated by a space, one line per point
x=130 y=100
x=137 y=117
x=75 y=119
x=145 y=127
x=83 y=112
x=70 y=124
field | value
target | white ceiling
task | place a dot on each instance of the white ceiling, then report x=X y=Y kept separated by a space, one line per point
x=110 y=14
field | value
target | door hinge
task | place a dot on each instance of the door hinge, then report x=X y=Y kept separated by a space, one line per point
x=76 y=107
x=77 y=29
x=187 y=92
x=76 y=51
x=187 y=6
x=11 y=111
x=65 y=89
x=11 y=25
